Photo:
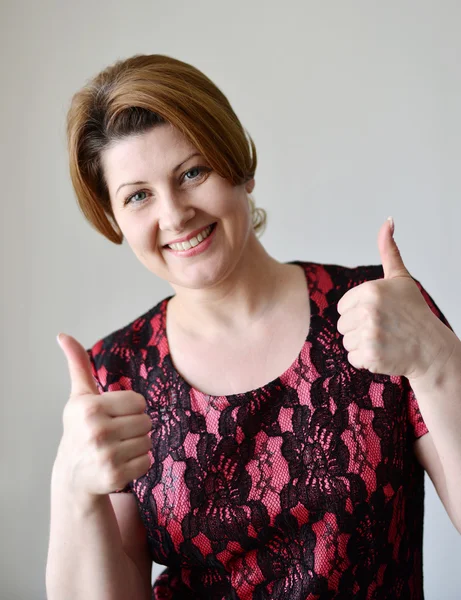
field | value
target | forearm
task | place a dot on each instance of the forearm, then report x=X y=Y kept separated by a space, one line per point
x=86 y=559
x=438 y=393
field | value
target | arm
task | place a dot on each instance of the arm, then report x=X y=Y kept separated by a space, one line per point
x=86 y=558
x=438 y=393
x=134 y=535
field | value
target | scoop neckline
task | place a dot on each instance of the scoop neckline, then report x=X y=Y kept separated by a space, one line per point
x=313 y=310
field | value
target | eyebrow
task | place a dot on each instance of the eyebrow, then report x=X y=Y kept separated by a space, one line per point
x=146 y=182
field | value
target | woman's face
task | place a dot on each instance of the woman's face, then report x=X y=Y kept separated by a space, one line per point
x=177 y=197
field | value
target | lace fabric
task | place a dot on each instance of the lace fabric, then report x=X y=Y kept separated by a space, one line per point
x=305 y=488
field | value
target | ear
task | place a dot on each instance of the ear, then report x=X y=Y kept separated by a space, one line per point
x=250 y=185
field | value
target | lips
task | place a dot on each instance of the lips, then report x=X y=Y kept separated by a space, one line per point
x=195 y=247
x=190 y=236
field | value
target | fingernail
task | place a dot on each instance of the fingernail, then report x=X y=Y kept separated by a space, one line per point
x=58 y=339
x=391 y=221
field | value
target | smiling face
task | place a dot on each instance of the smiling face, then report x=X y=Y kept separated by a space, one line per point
x=178 y=197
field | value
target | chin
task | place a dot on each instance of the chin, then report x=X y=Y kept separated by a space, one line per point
x=199 y=281
x=201 y=275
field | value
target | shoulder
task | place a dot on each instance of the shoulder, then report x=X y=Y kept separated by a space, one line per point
x=121 y=350
x=330 y=278
x=350 y=276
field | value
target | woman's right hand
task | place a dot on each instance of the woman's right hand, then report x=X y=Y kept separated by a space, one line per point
x=105 y=443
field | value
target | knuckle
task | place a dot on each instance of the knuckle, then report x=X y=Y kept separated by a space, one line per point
x=146 y=464
x=372 y=332
x=73 y=407
x=140 y=398
x=67 y=413
x=371 y=312
x=372 y=292
x=90 y=410
x=113 y=480
x=100 y=436
x=108 y=458
x=370 y=355
x=137 y=401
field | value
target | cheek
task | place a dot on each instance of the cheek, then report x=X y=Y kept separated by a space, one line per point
x=234 y=207
x=141 y=240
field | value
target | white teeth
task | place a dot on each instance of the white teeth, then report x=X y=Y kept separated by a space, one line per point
x=195 y=241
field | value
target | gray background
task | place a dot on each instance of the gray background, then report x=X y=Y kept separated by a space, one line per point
x=355 y=111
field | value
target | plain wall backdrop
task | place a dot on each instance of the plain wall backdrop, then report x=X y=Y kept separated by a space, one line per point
x=355 y=112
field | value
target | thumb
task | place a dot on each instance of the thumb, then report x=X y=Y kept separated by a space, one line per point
x=81 y=374
x=391 y=258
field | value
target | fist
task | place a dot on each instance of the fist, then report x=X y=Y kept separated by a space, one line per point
x=106 y=441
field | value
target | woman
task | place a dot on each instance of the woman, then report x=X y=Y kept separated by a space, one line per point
x=276 y=459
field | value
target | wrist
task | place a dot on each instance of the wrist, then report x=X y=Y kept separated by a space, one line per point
x=66 y=493
x=438 y=348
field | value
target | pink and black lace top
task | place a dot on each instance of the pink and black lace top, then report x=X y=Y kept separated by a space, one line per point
x=306 y=488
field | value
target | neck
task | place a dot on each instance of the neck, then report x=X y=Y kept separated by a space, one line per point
x=237 y=301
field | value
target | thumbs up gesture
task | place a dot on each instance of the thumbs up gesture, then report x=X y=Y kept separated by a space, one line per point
x=105 y=443
x=387 y=325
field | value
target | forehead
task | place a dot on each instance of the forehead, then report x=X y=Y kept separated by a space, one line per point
x=153 y=151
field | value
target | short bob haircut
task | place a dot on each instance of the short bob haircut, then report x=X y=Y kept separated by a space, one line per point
x=131 y=97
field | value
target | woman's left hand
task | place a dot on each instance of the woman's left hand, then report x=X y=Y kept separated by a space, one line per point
x=388 y=326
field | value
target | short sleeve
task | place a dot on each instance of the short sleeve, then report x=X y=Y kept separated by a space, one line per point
x=417 y=424
x=127 y=489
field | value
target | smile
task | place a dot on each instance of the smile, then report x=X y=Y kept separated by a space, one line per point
x=192 y=242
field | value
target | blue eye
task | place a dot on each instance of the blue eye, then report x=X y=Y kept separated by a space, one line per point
x=130 y=198
x=201 y=172
x=199 y=169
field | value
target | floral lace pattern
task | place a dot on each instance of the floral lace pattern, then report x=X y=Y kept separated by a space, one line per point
x=306 y=488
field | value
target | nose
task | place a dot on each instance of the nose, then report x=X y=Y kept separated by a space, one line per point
x=174 y=214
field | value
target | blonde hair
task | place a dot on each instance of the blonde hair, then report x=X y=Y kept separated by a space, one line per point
x=132 y=96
